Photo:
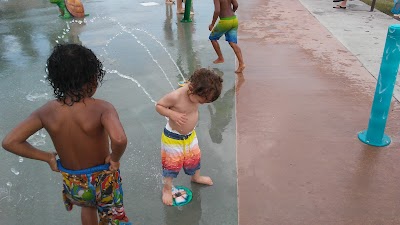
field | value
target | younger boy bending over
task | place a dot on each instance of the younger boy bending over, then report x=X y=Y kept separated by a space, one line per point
x=179 y=145
x=80 y=128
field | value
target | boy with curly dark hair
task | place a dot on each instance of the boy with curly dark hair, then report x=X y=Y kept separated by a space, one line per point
x=81 y=128
x=179 y=145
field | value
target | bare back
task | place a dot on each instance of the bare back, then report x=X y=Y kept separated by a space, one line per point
x=226 y=8
x=77 y=132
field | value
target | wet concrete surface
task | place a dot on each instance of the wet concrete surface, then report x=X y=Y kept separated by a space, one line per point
x=300 y=104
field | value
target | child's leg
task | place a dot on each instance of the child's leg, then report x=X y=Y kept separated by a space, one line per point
x=201 y=179
x=89 y=216
x=179 y=8
x=192 y=161
x=110 y=201
x=167 y=189
x=217 y=49
x=238 y=54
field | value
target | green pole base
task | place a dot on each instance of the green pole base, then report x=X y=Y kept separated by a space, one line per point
x=186 y=20
x=362 y=136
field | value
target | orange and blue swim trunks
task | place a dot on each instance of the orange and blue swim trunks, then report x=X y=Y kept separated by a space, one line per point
x=95 y=187
x=179 y=151
x=227 y=26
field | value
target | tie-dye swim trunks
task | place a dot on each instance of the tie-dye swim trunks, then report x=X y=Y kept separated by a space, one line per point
x=227 y=26
x=94 y=187
x=179 y=151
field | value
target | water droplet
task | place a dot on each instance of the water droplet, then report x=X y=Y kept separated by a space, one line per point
x=20 y=159
x=9 y=184
x=14 y=171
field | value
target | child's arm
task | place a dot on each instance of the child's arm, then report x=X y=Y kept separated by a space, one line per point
x=235 y=5
x=215 y=15
x=15 y=141
x=163 y=107
x=113 y=126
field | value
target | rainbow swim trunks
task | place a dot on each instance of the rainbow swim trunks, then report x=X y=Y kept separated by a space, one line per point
x=179 y=151
x=227 y=26
x=95 y=187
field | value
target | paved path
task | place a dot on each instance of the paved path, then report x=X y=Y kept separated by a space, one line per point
x=362 y=32
x=300 y=103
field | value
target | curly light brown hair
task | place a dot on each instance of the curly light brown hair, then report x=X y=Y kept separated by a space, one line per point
x=206 y=83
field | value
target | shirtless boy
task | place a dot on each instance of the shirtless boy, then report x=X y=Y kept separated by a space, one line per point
x=228 y=25
x=179 y=145
x=80 y=128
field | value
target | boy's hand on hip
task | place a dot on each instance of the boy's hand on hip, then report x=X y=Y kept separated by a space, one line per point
x=52 y=161
x=114 y=166
x=210 y=27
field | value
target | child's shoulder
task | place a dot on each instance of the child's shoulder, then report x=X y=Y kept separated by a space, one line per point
x=103 y=104
x=176 y=93
x=89 y=102
x=50 y=105
x=101 y=101
x=47 y=108
x=180 y=93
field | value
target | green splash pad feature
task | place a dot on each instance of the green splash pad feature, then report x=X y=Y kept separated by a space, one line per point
x=181 y=195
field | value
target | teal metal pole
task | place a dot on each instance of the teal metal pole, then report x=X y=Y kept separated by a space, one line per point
x=375 y=135
x=186 y=15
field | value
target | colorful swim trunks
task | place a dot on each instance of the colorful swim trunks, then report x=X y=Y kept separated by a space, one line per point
x=94 y=187
x=227 y=26
x=179 y=151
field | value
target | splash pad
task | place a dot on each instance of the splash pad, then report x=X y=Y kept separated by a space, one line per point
x=128 y=31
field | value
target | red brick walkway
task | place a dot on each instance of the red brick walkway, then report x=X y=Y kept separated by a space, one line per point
x=300 y=103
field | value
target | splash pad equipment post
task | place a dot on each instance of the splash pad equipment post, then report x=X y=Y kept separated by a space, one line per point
x=375 y=135
x=186 y=15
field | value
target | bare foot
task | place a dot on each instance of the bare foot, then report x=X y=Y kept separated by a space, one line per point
x=202 y=180
x=240 y=68
x=218 y=61
x=180 y=11
x=167 y=196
